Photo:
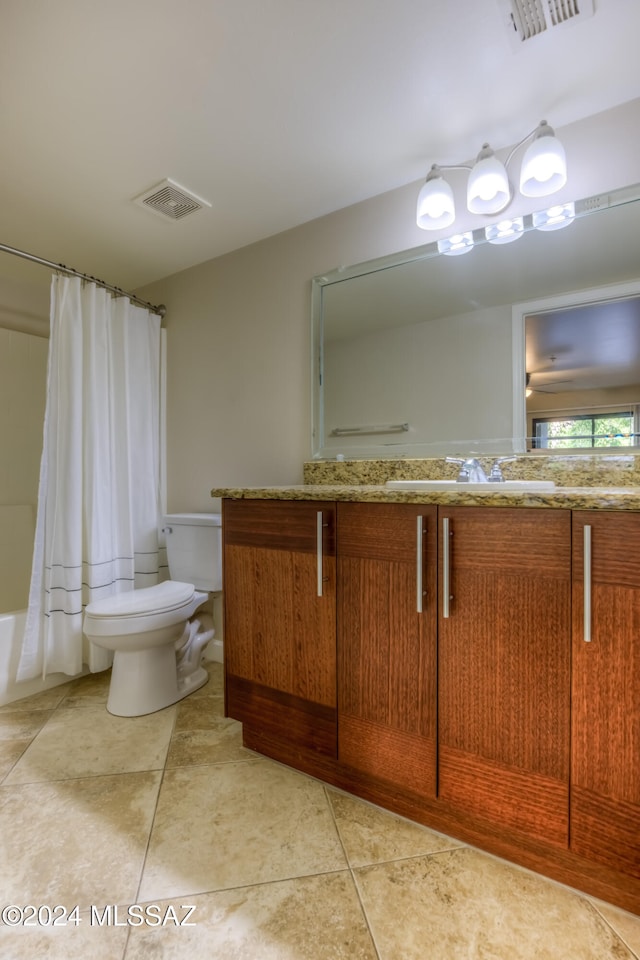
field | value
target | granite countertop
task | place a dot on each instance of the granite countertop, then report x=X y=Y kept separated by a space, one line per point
x=567 y=498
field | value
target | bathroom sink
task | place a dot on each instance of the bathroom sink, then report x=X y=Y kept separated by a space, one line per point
x=531 y=486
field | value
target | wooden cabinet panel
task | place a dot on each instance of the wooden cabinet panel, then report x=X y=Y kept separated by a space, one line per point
x=504 y=669
x=605 y=774
x=280 y=635
x=386 y=647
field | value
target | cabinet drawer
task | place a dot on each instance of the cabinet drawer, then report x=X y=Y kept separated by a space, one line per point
x=279 y=525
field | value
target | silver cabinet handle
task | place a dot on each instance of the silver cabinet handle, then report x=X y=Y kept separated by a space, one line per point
x=587 y=582
x=419 y=568
x=446 y=573
x=319 y=526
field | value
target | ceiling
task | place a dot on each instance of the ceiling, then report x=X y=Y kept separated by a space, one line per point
x=273 y=111
x=588 y=347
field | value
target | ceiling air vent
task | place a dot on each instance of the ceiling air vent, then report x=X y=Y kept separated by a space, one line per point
x=531 y=18
x=171 y=200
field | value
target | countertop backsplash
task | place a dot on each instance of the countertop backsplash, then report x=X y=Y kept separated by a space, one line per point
x=566 y=470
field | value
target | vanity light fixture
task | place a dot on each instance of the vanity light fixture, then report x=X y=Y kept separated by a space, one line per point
x=456 y=245
x=436 y=208
x=488 y=189
x=555 y=218
x=543 y=172
x=544 y=165
x=505 y=231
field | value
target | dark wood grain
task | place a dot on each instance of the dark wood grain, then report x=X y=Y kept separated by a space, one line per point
x=277 y=524
x=605 y=806
x=386 y=649
x=504 y=669
x=518 y=541
x=278 y=632
x=516 y=799
x=399 y=757
x=615 y=546
x=310 y=726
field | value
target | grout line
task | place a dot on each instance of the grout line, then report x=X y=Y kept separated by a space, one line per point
x=151 y=826
x=29 y=744
x=18 y=758
x=254 y=884
x=356 y=886
x=611 y=926
x=165 y=770
x=155 y=808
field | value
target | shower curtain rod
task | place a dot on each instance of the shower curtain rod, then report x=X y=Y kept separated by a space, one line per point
x=60 y=268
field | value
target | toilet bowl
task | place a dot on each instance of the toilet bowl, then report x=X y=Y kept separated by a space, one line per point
x=156 y=646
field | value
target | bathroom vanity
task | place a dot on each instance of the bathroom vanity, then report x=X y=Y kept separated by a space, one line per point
x=468 y=660
x=464 y=654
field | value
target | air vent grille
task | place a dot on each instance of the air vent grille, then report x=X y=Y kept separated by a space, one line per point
x=528 y=18
x=171 y=200
x=531 y=18
x=562 y=10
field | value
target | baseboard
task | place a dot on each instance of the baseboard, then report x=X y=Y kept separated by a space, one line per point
x=214 y=650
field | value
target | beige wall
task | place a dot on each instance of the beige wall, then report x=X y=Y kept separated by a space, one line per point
x=429 y=375
x=238 y=327
x=23 y=368
x=24 y=304
x=23 y=378
x=238 y=349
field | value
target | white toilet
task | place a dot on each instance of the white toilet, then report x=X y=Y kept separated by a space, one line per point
x=157 y=651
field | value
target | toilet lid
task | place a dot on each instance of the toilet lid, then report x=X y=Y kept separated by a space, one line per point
x=136 y=603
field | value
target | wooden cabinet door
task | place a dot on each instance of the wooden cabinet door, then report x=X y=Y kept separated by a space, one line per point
x=387 y=642
x=605 y=771
x=504 y=668
x=280 y=619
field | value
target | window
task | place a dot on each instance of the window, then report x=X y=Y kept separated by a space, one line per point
x=587 y=430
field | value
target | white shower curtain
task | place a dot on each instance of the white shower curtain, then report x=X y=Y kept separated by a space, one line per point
x=99 y=497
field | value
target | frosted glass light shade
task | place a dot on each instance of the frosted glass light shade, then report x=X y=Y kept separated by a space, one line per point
x=436 y=208
x=488 y=189
x=544 y=165
x=456 y=245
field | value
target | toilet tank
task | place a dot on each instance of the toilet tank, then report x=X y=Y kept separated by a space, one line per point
x=194 y=549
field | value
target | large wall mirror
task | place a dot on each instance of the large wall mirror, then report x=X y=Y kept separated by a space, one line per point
x=421 y=354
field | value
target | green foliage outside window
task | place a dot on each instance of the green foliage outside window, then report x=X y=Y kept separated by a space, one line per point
x=611 y=430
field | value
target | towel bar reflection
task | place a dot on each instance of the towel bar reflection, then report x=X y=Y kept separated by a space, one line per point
x=370 y=429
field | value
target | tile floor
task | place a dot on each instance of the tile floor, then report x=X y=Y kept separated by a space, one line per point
x=228 y=855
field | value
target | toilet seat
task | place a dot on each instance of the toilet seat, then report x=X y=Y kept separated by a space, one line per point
x=138 y=611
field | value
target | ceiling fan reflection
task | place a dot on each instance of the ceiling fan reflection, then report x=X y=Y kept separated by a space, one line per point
x=541 y=387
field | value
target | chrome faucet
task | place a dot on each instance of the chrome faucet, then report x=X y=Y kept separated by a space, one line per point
x=495 y=475
x=470 y=470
